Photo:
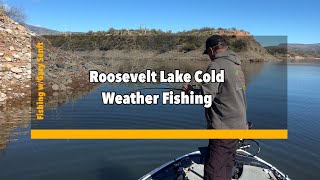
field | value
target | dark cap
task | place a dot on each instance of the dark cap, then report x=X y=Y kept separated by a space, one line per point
x=214 y=40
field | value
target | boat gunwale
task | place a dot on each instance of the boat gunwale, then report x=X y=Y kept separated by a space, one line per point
x=151 y=173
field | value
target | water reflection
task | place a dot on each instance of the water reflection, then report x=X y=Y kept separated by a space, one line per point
x=16 y=115
x=96 y=159
x=13 y=116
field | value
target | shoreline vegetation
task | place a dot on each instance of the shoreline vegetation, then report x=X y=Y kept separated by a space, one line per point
x=158 y=45
x=173 y=45
x=69 y=57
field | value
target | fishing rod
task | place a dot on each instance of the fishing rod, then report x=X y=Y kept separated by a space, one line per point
x=243 y=145
x=141 y=89
x=166 y=88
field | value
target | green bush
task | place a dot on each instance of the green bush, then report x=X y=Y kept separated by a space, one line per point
x=239 y=45
x=189 y=47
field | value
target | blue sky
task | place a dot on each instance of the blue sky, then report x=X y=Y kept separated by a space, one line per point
x=299 y=20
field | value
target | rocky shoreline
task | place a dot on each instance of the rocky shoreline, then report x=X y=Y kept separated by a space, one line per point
x=64 y=77
x=15 y=57
x=302 y=59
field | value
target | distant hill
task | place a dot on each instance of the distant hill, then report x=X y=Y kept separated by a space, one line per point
x=299 y=47
x=304 y=47
x=41 y=30
x=295 y=51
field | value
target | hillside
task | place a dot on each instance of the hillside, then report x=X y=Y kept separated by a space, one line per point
x=304 y=47
x=41 y=30
x=146 y=40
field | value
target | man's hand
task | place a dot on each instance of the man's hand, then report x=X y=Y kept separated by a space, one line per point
x=187 y=88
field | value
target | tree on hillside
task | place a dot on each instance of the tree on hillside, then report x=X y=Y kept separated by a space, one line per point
x=1 y=7
x=15 y=13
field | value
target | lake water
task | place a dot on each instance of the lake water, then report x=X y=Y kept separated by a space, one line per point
x=267 y=98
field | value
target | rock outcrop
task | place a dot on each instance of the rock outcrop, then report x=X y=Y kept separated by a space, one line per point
x=16 y=66
x=15 y=59
x=64 y=79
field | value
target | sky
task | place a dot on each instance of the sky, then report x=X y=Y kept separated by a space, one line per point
x=299 y=20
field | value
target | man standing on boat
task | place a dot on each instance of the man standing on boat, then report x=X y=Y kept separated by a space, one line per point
x=228 y=110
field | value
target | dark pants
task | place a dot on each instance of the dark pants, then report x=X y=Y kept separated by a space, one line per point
x=220 y=160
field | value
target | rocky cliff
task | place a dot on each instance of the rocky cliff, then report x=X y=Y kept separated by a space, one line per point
x=15 y=58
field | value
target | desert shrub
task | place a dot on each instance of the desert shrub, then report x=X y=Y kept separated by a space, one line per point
x=154 y=40
x=1 y=10
x=15 y=13
x=188 y=47
x=111 y=31
x=239 y=45
x=205 y=29
x=274 y=50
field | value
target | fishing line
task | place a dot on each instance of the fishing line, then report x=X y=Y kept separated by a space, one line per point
x=141 y=89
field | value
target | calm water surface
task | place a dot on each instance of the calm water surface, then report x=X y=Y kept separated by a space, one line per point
x=267 y=91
